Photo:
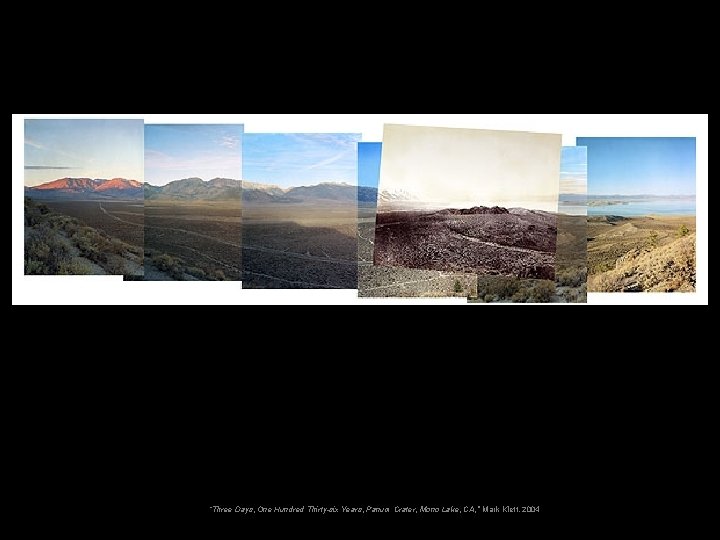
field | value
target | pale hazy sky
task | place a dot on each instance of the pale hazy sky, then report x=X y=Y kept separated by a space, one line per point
x=300 y=159
x=83 y=149
x=573 y=170
x=467 y=167
x=179 y=151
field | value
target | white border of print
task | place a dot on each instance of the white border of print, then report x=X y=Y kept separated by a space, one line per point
x=112 y=290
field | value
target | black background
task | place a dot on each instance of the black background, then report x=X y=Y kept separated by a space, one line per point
x=419 y=405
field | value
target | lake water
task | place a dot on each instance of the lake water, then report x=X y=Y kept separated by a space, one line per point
x=664 y=207
x=572 y=210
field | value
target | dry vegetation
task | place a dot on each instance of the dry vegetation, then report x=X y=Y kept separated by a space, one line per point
x=193 y=240
x=521 y=243
x=513 y=289
x=118 y=219
x=299 y=246
x=670 y=268
x=654 y=254
x=570 y=284
x=57 y=244
x=571 y=260
x=387 y=281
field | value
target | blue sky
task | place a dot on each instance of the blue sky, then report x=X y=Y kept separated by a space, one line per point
x=639 y=165
x=369 y=155
x=297 y=159
x=83 y=149
x=175 y=152
x=573 y=170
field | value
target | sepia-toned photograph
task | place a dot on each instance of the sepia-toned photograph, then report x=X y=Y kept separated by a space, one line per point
x=387 y=281
x=471 y=201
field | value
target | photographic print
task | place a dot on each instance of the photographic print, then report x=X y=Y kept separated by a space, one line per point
x=571 y=255
x=641 y=214
x=300 y=211
x=385 y=281
x=193 y=202
x=570 y=284
x=469 y=201
x=84 y=197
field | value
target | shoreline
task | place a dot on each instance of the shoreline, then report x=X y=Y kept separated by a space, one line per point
x=641 y=216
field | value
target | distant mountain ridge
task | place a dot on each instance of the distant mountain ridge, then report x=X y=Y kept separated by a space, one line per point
x=474 y=210
x=341 y=192
x=196 y=189
x=644 y=196
x=87 y=188
x=398 y=195
x=367 y=194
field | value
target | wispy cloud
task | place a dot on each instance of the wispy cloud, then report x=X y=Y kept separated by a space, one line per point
x=34 y=144
x=161 y=167
x=159 y=160
x=573 y=162
x=300 y=158
x=46 y=168
x=325 y=140
x=327 y=161
x=229 y=141
x=40 y=146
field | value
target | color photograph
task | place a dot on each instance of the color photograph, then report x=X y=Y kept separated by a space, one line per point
x=84 y=197
x=571 y=255
x=300 y=211
x=641 y=214
x=193 y=202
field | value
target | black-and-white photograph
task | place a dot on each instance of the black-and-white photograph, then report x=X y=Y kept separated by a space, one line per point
x=465 y=200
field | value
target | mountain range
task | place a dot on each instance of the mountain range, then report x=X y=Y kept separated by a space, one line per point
x=340 y=192
x=641 y=197
x=215 y=189
x=398 y=195
x=474 y=211
x=196 y=189
x=87 y=188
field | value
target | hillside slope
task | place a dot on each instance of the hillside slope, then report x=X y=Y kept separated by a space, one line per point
x=56 y=244
x=668 y=268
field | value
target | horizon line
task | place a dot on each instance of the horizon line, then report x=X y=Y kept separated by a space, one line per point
x=639 y=194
